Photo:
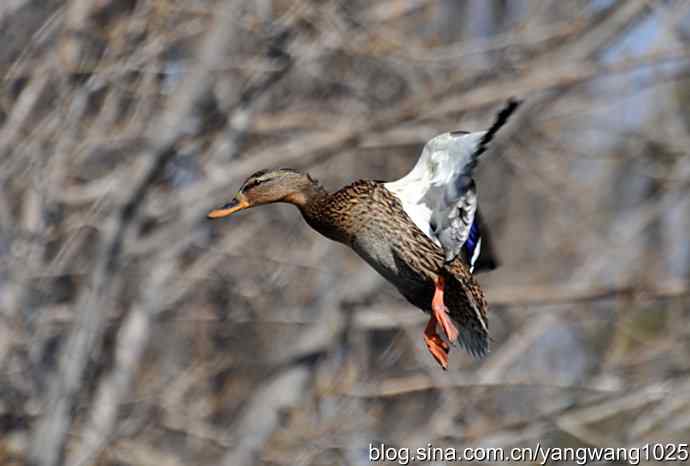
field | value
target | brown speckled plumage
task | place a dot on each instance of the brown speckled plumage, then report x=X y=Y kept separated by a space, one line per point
x=369 y=218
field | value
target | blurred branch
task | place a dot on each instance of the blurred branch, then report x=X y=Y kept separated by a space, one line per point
x=396 y=386
x=545 y=296
x=554 y=77
x=574 y=419
x=132 y=342
x=393 y=317
x=51 y=433
x=613 y=21
x=263 y=413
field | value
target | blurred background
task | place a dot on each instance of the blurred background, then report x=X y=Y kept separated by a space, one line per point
x=135 y=332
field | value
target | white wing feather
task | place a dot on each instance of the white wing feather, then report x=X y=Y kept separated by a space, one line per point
x=439 y=193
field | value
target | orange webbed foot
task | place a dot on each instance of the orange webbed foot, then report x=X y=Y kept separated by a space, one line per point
x=440 y=311
x=437 y=347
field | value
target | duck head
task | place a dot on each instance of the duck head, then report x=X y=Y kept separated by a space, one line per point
x=269 y=186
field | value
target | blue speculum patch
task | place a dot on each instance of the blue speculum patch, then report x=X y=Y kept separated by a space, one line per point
x=472 y=240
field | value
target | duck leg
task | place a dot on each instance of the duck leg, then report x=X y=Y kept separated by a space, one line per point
x=440 y=311
x=436 y=346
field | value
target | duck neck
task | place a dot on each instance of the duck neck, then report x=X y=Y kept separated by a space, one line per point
x=314 y=202
x=308 y=198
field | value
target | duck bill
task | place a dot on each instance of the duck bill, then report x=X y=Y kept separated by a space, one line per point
x=229 y=209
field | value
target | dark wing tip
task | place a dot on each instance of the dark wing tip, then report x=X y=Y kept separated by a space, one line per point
x=501 y=118
x=511 y=105
x=476 y=343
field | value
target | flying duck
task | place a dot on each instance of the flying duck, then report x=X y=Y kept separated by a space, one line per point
x=424 y=232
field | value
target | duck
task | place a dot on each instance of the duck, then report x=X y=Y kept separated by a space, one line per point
x=424 y=233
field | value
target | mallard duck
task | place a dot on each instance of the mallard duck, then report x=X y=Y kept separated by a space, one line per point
x=423 y=232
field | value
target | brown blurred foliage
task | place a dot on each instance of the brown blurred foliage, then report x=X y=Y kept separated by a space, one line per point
x=135 y=332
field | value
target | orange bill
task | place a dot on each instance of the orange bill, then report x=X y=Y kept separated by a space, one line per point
x=229 y=209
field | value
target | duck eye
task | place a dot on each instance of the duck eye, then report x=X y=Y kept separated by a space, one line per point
x=253 y=183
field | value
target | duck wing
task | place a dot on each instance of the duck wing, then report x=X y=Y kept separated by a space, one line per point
x=440 y=195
